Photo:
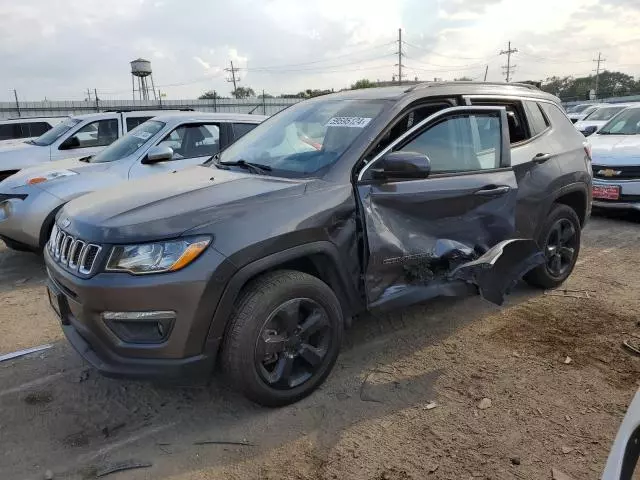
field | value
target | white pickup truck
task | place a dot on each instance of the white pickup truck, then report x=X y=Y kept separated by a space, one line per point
x=77 y=136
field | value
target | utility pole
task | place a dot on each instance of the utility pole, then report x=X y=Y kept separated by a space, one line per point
x=95 y=90
x=486 y=71
x=15 y=94
x=88 y=95
x=399 y=64
x=508 y=67
x=160 y=98
x=233 y=79
x=598 y=60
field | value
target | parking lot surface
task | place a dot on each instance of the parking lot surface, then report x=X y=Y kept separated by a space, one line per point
x=407 y=399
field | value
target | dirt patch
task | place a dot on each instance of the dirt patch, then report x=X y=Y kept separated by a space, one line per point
x=589 y=331
x=38 y=398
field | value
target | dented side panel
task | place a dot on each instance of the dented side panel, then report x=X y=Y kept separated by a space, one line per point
x=420 y=231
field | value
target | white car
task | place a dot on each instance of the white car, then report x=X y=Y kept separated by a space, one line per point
x=623 y=457
x=584 y=112
x=615 y=152
x=596 y=119
x=75 y=137
x=17 y=130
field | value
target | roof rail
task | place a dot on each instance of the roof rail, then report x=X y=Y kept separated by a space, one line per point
x=466 y=82
x=128 y=110
x=35 y=118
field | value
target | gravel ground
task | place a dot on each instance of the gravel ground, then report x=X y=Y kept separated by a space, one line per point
x=405 y=401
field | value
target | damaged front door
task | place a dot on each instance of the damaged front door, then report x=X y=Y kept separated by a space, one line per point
x=439 y=209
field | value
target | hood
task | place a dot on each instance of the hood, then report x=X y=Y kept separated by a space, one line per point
x=582 y=124
x=615 y=149
x=167 y=205
x=15 y=141
x=16 y=145
x=74 y=164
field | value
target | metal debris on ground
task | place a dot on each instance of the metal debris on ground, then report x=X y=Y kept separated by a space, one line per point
x=567 y=360
x=22 y=353
x=484 y=404
x=120 y=467
x=569 y=293
x=632 y=348
x=430 y=406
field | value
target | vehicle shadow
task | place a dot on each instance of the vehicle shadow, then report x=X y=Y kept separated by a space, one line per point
x=61 y=415
x=20 y=268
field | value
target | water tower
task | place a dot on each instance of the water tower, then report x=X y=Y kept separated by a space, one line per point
x=141 y=69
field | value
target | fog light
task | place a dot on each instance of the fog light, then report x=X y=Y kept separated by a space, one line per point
x=141 y=327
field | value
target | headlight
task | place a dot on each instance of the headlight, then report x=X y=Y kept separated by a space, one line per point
x=50 y=176
x=156 y=257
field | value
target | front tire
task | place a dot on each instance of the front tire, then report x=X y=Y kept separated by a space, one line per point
x=560 y=240
x=284 y=338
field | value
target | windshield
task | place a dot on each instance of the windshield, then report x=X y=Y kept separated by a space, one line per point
x=130 y=143
x=604 y=113
x=626 y=122
x=306 y=137
x=577 y=108
x=56 y=132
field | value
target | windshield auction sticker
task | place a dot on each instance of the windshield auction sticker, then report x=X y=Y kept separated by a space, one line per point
x=142 y=135
x=353 y=122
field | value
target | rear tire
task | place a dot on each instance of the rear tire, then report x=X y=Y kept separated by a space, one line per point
x=283 y=339
x=560 y=241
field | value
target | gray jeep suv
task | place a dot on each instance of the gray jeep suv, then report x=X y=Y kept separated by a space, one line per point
x=361 y=200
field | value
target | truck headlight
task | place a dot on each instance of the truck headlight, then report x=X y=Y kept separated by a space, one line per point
x=156 y=257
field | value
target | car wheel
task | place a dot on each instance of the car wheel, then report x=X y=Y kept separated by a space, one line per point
x=560 y=241
x=283 y=338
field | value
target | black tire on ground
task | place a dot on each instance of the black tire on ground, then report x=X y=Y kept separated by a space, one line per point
x=254 y=311
x=542 y=276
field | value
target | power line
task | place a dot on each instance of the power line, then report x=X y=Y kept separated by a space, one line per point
x=318 y=68
x=446 y=67
x=508 y=68
x=433 y=52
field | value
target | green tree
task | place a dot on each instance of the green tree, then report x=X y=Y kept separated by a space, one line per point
x=610 y=84
x=363 y=83
x=463 y=79
x=265 y=95
x=243 y=92
x=209 y=95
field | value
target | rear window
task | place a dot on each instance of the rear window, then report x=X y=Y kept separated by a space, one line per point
x=538 y=123
x=133 y=122
x=518 y=128
x=241 y=129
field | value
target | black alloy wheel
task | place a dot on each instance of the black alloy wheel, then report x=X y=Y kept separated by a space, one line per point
x=560 y=247
x=293 y=343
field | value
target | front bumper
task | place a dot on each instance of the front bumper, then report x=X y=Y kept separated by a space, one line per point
x=629 y=195
x=22 y=215
x=186 y=356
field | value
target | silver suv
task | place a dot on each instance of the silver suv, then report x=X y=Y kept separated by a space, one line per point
x=30 y=199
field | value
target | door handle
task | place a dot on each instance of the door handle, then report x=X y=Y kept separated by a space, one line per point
x=541 y=158
x=493 y=190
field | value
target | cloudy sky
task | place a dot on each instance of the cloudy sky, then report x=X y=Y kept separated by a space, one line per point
x=56 y=49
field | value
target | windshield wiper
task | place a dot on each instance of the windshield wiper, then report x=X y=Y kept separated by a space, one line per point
x=85 y=159
x=253 y=167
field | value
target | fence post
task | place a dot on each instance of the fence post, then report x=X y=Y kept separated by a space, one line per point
x=214 y=102
x=264 y=104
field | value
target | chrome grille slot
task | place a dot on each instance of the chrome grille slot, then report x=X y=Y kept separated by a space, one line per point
x=59 y=241
x=75 y=253
x=88 y=259
x=65 y=249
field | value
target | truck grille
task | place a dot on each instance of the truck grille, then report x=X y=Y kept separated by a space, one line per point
x=74 y=253
x=616 y=173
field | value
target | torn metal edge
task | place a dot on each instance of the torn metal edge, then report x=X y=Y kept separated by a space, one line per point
x=26 y=351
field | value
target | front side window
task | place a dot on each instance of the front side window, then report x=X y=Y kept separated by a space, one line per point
x=8 y=131
x=95 y=134
x=306 y=137
x=626 y=122
x=130 y=143
x=516 y=118
x=241 y=129
x=193 y=140
x=38 y=128
x=460 y=144
x=56 y=132
x=604 y=113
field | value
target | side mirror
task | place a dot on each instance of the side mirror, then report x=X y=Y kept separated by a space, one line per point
x=402 y=165
x=69 y=143
x=158 y=154
x=589 y=130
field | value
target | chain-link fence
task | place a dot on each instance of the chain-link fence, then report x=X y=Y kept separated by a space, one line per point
x=259 y=106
